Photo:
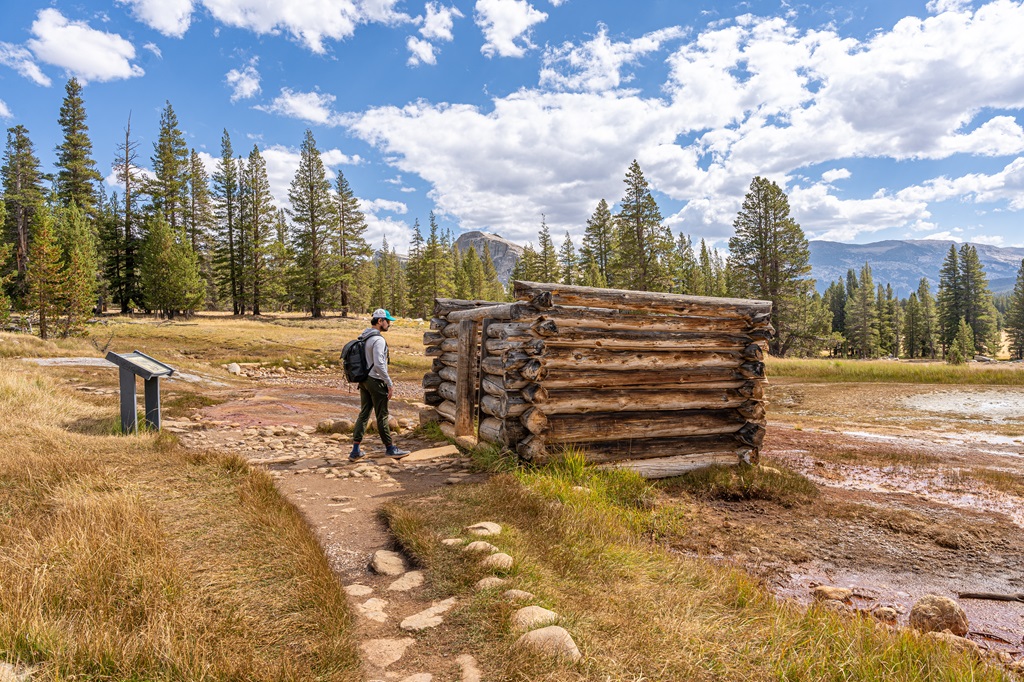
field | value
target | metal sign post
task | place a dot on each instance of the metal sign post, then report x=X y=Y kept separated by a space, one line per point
x=139 y=364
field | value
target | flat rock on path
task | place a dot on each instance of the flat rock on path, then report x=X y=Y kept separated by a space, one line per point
x=380 y=653
x=484 y=528
x=470 y=671
x=498 y=562
x=409 y=581
x=385 y=562
x=428 y=618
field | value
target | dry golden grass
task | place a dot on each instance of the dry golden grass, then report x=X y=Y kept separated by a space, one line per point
x=890 y=371
x=583 y=544
x=127 y=558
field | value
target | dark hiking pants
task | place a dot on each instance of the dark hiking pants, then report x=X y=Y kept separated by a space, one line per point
x=373 y=395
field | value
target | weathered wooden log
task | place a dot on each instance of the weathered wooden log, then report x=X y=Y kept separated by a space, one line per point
x=752 y=370
x=648 y=341
x=637 y=449
x=531 y=448
x=643 y=300
x=595 y=428
x=617 y=320
x=676 y=465
x=432 y=338
x=451 y=331
x=466 y=391
x=447 y=391
x=448 y=373
x=754 y=411
x=751 y=434
x=436 y=365
x=433 y=351
x=534 y=420
x=431 y=380
x=444 y=306
x=493 y=365
x=754 y=352
x=565 y=401
x=498 y=431
x=446 y=409
x=532 y=370
x=438 y=323
x=534 y=393
x=432 y=398
x=670 y=379
x=508 y=330
x=505 y=407
x=629 y=360
x=504 y=311
x=450 y=359
x=492 y=385
x=527 y=347
x=450 y=346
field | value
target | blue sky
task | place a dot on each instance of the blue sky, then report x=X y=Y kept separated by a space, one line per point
x=882 y=120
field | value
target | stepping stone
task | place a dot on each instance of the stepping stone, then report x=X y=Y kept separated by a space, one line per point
x=431 y=453
x=552 y=641
x=499 y=562
x=829 y=593
x=532 y=617
x=451 y=542
x=407 y=582
x=358 y=590
x=387 y=563
x=470 y=671
x=373 y=609
x=418 y=677
x=380 y=653
x=428 y=618
x=484 y=528
x=489 y=582
x=480 y=546
x=518 y=595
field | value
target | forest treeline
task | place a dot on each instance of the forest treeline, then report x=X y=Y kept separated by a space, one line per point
x=177 y=239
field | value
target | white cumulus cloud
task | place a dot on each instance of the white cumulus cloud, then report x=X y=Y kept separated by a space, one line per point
x=313 y=107
x=835 y=174
x=244 y=82
x=170 y=17
x=420 y=51
x=152 y=47
x=22 y=61
x=89 y=54
x=378 y=205
x=5 y=111
x=439 y=21
x=506 y=26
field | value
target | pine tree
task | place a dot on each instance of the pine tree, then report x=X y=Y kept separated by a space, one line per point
x=962 y=348
x=862 y=317
x=598 y=240
x=885 y=322
x=912 y=327
x=170 y=276
x=1014 y=316
x=122 y=265
x=43 y=277
x=279 y=265
x=929 y=347
x=420 y=303
x=5 y=275
x=547 y=265
x=225 y=195
x=313 y=215
x=812 y=323
x=78 y=269
x=686 y=280
x=493 y=289
x=473 y=273
x=77 y=177
x=351 y=249
x=23 y=198
x=950 y=298
x=643 y=246
x=568 y=266
x=169 y=189
x=978 y=310
x=770 y=255
x=260 y=220
x=439 y=275
x=835 y=299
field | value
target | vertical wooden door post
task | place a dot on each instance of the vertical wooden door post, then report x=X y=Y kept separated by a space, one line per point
x=465 y=391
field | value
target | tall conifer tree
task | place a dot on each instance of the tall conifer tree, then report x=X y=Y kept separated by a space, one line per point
x=313 y=217
x=950 y=298
x=23 y=197
x=169 y=189
x=225 y=193
x=77 y=177
x=128 y=290
x=598 y=242
x=44 y=278
x=79 y=266
x=862 y=316
x=261 y=219
x=1014 y=316
x=568 y=265
x=643 y=246
x=978 y=310
x=351 y=248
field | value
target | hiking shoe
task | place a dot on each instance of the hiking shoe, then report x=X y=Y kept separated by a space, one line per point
x=396 y=453
x=356 y=455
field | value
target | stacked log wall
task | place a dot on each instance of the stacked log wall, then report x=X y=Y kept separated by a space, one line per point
x=657 y=382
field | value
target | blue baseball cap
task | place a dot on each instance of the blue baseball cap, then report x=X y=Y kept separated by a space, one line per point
x=382 y=314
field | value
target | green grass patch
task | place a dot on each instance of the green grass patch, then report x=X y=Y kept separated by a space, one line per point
x=183 y=404
x=996 y=374
x=735 y=483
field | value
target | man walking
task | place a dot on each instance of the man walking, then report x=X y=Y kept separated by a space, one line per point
x=376 y=390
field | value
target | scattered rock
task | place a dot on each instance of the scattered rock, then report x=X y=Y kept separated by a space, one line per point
x=500 y=562
x=886 y=614
x=830 y=593
x=428 y=618
x=532 y=617
x=373 y=609
x=451 y=542
x=933 y=613
x=427 y=415
x=552 y=641
x=380 y=653
x=9 y=673
x=342 y=426
x=518 y=595
x=480 y=546
x=387 y=563
x=233 y=368
x=470 y=671
x=410 y=580
x=484 y=528
x=466 y=442
x=955 y=642
x=489 y=582
x=1017 y=666
x=358 y=590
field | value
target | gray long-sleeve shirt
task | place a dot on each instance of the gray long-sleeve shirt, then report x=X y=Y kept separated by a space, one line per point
x=377 y=355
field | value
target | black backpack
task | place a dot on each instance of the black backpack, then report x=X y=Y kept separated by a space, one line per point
x=353 y=359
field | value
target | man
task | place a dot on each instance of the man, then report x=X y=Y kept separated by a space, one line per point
x=375 y=392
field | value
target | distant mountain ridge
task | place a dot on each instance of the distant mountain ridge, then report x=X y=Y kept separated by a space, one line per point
x=504 y=254
x=903 y=262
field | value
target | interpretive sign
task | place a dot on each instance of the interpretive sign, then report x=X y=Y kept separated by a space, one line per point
x=139 y=364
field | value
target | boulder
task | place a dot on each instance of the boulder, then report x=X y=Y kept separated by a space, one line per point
x=830 y=593
x=551 y=641
x=933 y=613
x=480 y=546
x=489 y=582
x=532 y=617
x=955 y=642
x=387 y=563
x=342 y=426
x=518 y=595
x=886 y=614
x=233 y=368
x=484 y=528
x=427 y=415
x=498 y=562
